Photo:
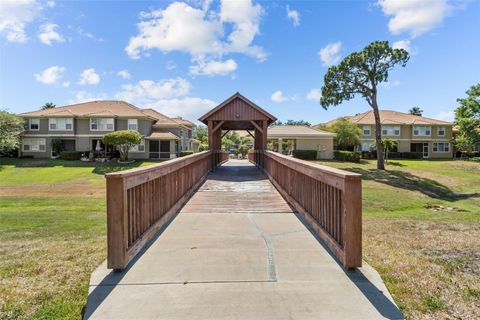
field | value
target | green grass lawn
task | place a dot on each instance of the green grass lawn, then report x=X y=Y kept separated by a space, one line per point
x=422 y=233
x=52 y=235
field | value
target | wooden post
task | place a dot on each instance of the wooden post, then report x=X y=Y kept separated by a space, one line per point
x=352 y=221
x=264 y=134
x=116 y=223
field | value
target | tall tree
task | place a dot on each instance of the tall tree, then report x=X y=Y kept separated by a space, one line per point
x=11 y=127
x=348 y=134
x=467 y=118
x=360 y=73
x=416 y=111
x=48 y=105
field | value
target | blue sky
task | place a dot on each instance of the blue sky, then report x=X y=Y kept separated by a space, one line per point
x=183 y=58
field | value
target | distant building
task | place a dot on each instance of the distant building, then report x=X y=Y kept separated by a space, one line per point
x=285 y=139
x=81 y=127
x=430 y=137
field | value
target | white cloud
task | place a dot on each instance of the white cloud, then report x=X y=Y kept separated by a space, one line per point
x=390 y=84
x=211 y=68
x=148 y=91
x=89 y=77
x=84 y=96
x=278 y=97
x=445 y=116
x=89 y=35
x=171 y=65
x=66 y=84
x=168 y=96
x=14 y=18
x=50 y=75
x=124 y=74
x=294 y=16
x=199 y=31
x=414 y=16
x=51 y=4
x=190 y=108
x=314 y=94
x=330 y=54
x=47 y=34
x=402 y=44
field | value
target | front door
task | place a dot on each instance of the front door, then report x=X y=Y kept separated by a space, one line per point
x=425 y=151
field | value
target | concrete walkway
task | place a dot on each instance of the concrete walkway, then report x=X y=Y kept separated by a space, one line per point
x=237 y=251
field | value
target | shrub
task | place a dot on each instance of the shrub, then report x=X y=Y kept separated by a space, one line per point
x=185 y=153
x=123 y=140
x=346 y=156
x=70 y=155
x=305 y=154
x=474 y=159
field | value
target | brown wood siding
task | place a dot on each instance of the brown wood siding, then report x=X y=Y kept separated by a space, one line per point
x=240 y=107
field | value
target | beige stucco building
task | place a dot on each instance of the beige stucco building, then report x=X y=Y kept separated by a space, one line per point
x=430 y=137
x=285 y=139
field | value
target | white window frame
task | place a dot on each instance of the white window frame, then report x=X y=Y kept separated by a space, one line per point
x=137 y=148
x=419 y=132
x=67 y=121
x=99 y=120
x=40 y=142
x=132 y=122
x=445 y=144
x=392 y=129
x=30 y=124
x=444 y=131
x=369 y=128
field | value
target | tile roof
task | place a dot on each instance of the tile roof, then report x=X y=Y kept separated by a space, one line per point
x=184 y=122
x=391 y=117
x=109 y=108
x=156 y=135
x=297 y=131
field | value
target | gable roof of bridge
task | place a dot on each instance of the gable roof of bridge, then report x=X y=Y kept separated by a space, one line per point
x=228 y=102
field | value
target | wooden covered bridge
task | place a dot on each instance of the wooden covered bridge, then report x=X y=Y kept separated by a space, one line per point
x=205 y=237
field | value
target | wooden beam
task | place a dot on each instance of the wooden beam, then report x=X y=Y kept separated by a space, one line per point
x=251 y=135
x=256 y=126
x=217 y=126
x=223 y=135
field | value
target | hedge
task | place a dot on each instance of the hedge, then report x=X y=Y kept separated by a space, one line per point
x=346 y=156
x=185 y=153
x=305 y=154
x=70 y=155
x=393 y=155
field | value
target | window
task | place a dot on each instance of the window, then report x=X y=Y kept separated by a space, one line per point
x=101 y=124
x=367 y=130
x=34 y=145
x=391 y=130
x=60 y=124
x=139 y=147
x=441 y=131
x=441 y=147
x=34 y=124
x=422 y=130
x=133 y=124
x=366 y=146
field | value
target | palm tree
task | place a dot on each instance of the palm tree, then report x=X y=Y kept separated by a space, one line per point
x=388 y=144
x=48 y=105
x=416 y=111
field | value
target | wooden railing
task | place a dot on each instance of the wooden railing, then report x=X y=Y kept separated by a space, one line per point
x=220 y=157
x=330 y=201
x=140 y=201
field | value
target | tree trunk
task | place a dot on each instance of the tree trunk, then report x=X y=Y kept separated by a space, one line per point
x=378 y=135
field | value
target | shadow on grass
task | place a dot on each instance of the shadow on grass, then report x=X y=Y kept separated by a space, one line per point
x=98 y=167
x=408 y=181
